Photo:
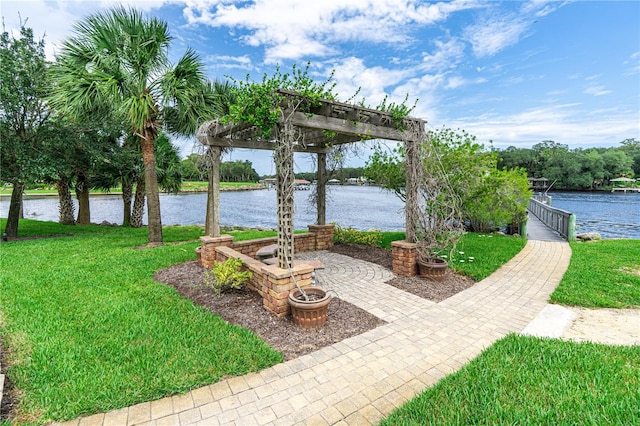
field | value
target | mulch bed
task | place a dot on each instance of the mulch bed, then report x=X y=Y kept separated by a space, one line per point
x=344 y=319
x=245 y=308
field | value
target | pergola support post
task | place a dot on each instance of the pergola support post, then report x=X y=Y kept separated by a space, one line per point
x=284 y=186
x=412 y=158
x=212 y=223
x=321 y=189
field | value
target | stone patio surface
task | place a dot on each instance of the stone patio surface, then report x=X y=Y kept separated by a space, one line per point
x=362 y=379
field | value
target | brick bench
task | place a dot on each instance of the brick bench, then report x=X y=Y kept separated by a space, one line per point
x=267 y=253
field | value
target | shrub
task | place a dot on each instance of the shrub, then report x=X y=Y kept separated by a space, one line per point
x=226 y=276
x=353 y=236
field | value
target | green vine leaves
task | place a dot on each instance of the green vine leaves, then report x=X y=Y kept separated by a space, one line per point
x=261 y=104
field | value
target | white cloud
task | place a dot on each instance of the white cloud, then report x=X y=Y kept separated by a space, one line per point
x=291 y=29
x=454 y=82
x=225 y=62
x=569 y=124
x=499 y=30
x=352 y=74
x=541 y=8
x=494 y=33
x=593 y=88
x=633 y=64
x=446 y=55
x=58 y=17
x=596 y=90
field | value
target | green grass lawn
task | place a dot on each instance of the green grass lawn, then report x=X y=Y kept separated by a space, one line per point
x=531 y=381
x=527 y=380
x=90 y=331
x=479 y=254
x=602 y=274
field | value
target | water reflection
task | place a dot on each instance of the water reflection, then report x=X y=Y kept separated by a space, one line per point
x=612 y=215
x=355 y=206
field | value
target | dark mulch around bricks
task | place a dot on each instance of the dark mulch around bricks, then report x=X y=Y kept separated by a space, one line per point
x=344 y=320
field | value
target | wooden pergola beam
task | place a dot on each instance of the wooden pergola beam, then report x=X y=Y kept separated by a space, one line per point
x=363 y=131
x=251 y=144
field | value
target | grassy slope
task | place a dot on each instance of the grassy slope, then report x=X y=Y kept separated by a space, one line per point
x=525 y=380
x=478 y=255
x=91 y=331
x=602 y=274
x=519 y=380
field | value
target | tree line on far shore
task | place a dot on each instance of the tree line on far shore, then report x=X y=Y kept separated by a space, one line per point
x=575 y=169
x=195 y=169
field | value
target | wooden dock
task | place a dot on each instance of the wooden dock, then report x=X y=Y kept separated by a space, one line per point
x=625 y=190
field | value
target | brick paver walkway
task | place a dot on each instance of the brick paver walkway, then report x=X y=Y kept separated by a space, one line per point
x=362 y=379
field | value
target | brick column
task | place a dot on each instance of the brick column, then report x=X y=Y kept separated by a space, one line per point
x=208 y=248
x=277 y=283
x=405 y=257
x=324 y=236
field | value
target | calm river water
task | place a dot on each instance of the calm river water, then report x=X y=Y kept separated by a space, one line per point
x=612 y=215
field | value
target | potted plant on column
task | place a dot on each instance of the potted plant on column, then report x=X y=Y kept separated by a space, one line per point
x=439 y=220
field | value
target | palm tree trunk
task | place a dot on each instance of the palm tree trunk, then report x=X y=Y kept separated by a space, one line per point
x=138 y=204
x=151 y=187
x=15 y=210
x=127 y=194
x=82 y=194
x=66 y=203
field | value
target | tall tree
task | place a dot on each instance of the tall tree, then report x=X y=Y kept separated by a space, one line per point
x=488 y=197
x=632 y=148
x=24 y=115
x=118 y=60
x=122 y=165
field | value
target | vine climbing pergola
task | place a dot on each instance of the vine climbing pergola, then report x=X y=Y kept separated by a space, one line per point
x=311 y=129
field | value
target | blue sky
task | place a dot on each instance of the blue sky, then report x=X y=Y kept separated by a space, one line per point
x=516 y=73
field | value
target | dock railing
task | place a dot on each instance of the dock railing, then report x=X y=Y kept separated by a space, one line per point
x=559 y=220
x=543 y=198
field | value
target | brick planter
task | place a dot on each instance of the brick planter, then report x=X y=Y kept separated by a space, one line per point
x=273 y=283
x=208 y=248
x=405 y=258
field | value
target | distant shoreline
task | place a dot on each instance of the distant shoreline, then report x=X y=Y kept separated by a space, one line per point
x=203 y=190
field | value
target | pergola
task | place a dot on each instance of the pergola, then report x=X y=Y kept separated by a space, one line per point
x=312 y=130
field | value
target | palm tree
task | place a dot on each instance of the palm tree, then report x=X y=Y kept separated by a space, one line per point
x=117 y=62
